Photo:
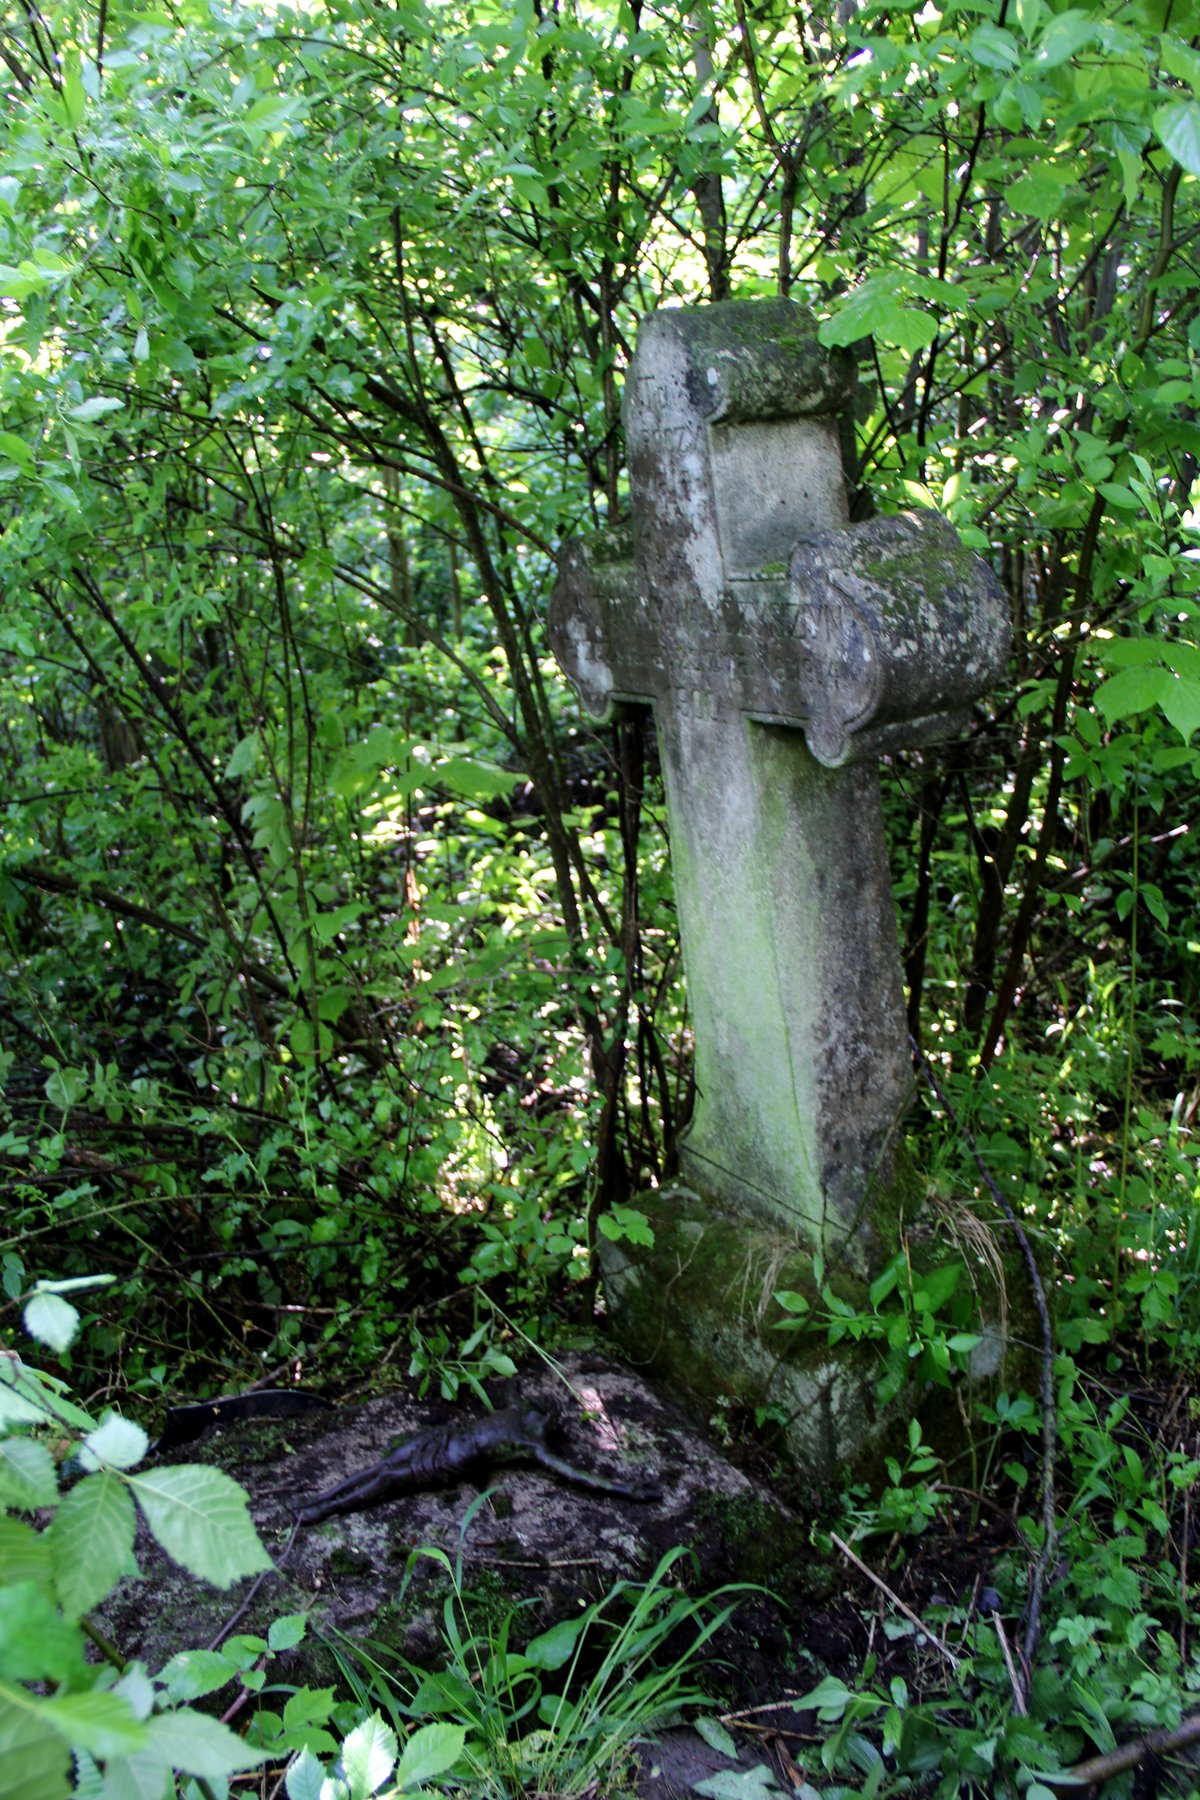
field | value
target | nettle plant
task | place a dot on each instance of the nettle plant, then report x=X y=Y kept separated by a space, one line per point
x=123 y=1730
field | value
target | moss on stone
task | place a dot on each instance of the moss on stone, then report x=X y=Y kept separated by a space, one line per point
x=765 y=1546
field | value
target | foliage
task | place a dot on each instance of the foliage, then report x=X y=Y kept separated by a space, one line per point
x=339 y=967
x=326 y=930
x=562 y=1716
x=916 y=1344
x=53 y=1702
x=371 y=1762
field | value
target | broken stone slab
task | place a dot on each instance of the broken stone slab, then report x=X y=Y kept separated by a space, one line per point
x=534 y=1543
x=781 y=650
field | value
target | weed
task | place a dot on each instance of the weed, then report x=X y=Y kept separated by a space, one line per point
x=563 y=1715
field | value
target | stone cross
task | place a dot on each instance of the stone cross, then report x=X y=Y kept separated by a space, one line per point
x=782 y=651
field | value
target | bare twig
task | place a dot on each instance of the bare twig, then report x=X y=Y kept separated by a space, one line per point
x=1127 y=1756
x=1018 y=1687
x=897 y=1602
x=751 y=1712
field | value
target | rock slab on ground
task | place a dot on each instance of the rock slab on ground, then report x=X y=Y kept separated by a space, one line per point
x=521 y=1537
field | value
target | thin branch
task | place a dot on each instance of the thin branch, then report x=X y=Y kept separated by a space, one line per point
x=897 y=1602
x=1127 y=1756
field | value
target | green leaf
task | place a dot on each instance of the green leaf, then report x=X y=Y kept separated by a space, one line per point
x=88 y=411
x=716 y=1737
x=369 y=1754
x=428 y=1753
x=19 y=283
x=28 y=1398
x=874 y=311
x=1181 y=706
x=24 y=1554
x=830 y=1698
x=936 y=1287
x=20 y=1408
x=27 y=1477
x=1180 y=60
x=757 y=1783
x=101 y=1724
x=192 y=1674
x=66 y=1086
x=626 y=1222
x=1040 y=191
x=1133 y=690
x=885 y=1283
x=244 y=756
x=1120 y=496
x=34 y=1761
x=305 y=1778
x=17 y=451
x=198 y=1745
x=327 y=926
x=51 y=1320
x=36 y=1644
x=273 y=112
x=551 y=1649
x=116 y=1443
x=286 y=1632
x=309 y=1706
x=475 y=779
x=993 y=47
x=73 y=97
x=142 y=1776
x=91 y=1542
x=199 y=1516
x=1178 y=127
x=1064 y=37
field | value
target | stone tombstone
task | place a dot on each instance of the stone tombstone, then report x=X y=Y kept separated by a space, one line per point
x=782 y=650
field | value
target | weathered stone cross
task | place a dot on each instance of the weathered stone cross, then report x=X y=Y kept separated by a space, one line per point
x=782 y=651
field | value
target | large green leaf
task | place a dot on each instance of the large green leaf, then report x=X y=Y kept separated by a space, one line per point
x=369 y=1756
x=34 y=1760
x=91 y=1542
x=1064 y=36
x=197 y=1745
x=199 y=1516
x=191 y=1674
x=101 y=1724
x=873 y=310
x=305 y=1777
x=1178 y=128
x=36 y=1643
x=27 y=1475
x=429 y=1752
x=24 y=1554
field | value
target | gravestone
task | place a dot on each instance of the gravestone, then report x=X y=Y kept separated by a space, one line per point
x=782 y=651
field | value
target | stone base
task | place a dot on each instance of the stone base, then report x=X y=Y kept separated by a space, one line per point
x=697 y=1310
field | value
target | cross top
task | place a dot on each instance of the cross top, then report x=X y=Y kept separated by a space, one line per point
x=782 y=650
